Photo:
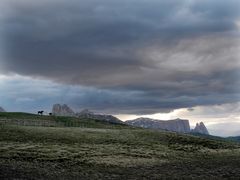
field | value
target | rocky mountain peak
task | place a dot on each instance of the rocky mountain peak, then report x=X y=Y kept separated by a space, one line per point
x=176 y=125
x=200 y=128
x=85 y=111
x=62 y=110
x=88 y=114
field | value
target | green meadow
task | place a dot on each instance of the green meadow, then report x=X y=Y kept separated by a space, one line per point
x=48 y=147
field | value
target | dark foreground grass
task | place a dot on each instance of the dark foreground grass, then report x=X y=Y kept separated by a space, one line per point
x=112 y=152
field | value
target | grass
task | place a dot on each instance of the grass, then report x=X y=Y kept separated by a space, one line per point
x=90 y=149
x=27 y=119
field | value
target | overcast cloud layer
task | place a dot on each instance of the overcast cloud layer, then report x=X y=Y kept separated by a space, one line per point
x=147 y=56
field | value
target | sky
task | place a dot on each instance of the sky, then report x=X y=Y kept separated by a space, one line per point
x=162 y=59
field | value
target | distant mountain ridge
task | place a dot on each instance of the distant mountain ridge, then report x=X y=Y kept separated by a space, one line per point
x=176 y=125
x=2 y=110
x=65 y=110
x=104 y=117
x=62 y=110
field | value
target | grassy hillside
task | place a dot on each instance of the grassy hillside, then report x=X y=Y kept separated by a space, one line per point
x=236 y=138
x=71 y=148
x=26 y=119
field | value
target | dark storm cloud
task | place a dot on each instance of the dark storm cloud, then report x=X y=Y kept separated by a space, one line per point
x=174 y=53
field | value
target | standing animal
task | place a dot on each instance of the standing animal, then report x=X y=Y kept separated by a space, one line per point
x=40 y=112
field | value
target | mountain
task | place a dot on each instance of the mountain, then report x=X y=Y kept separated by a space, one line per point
x=2 y=110
x=65 y=110
x=177 y=125
x=103 y=117
x=62 y=110
x=200 y=128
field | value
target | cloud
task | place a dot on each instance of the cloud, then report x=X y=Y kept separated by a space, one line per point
x=33 y=94
x=24 y=94
x=138 y=56
x=221 y=130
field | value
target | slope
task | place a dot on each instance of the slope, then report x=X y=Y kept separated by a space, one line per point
x=108 y=151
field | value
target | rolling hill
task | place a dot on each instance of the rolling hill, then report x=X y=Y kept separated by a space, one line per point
x=49 y=147
x=236 y=138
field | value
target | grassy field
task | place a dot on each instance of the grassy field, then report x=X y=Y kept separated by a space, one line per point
x=47 y=147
